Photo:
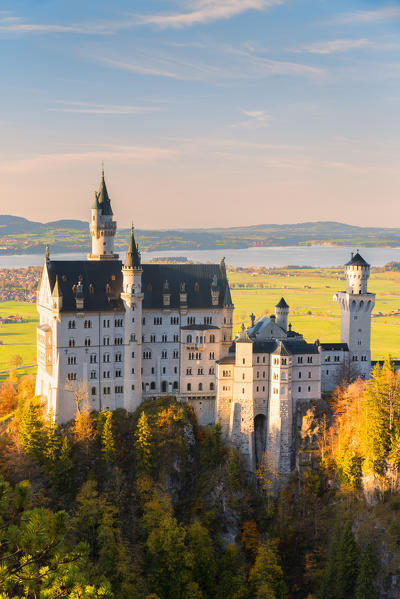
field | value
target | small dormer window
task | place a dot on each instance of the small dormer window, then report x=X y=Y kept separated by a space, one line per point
x=64 y=278
x=74 y=288
x=91 y=288
x=108 y=288
x=149 y=287
x=197 y=287
x=113 y=277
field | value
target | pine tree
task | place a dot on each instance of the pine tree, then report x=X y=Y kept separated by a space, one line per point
x=328 y=583
x=30 y=430
x=52 y=441
x=347 y=563
x=266 y=576
x=365 y=586
x=204 y=565
x=107 y=439
x=63 y=469
x=143 y=444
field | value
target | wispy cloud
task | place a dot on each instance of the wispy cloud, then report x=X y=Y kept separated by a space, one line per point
x=229 y=63
x=86 y=108
x=257 y=119
x=196 y=12
x=201 y=12
x=121 y=154
x=13 y=24
x=335 y=46
x=387 y=13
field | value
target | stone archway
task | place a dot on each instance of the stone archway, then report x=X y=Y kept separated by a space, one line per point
x=260 y=432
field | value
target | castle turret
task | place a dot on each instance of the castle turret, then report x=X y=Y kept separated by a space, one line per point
x=102 y=226
x=282 y=313
x=132 y=297
x=356 y=305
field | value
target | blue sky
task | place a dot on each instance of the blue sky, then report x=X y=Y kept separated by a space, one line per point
x=205 y=112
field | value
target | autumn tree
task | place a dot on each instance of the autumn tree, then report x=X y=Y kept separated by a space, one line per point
x=107 y=439
x=143 y=443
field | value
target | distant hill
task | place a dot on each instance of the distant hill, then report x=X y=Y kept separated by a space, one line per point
x=20 y=235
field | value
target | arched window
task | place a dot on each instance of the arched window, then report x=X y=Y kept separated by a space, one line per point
x=211 y=386
x=152 y=385
x=93 y=390
x=200 y=386
x=175 y=385
x=189 y=339
x=108 y=288
x=189 y=387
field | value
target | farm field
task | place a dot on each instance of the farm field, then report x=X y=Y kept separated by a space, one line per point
x=308 y=292
x=313 y=312
x=18 y=338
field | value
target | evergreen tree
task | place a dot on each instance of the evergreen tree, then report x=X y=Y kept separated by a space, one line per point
x=231 y=580
x=204 y=565
x=328 y=583
x=365 y=586
x=107 y=439
x=143 y=444
x=347 y=563
x=30 y=430
x=51 y=439
x=266 y=576
x=63 y=469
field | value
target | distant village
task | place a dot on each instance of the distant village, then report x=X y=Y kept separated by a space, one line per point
x=18 y=285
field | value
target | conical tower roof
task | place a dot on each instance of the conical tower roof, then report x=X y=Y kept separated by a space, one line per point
x=102 y=199
x=282 y=303
x=133 y=259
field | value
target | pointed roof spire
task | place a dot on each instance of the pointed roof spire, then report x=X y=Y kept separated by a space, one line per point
x=243 y=336
x=56 y=289
x=132 y=259
x=47 y=253
x=102 y=199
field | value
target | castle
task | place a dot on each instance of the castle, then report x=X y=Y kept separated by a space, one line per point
x=113 y=334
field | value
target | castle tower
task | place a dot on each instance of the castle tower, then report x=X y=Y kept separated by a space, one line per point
x=356 y=305
x=282 y=313
x=102 y=226
x=242 y=407
x=132 y=297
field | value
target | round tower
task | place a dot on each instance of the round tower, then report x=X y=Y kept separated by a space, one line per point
x=132 y=297
x=357 y=272
x=281 y=314
x=102 y=226
x=356 y=305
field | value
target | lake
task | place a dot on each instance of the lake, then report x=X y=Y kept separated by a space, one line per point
x=317 y=256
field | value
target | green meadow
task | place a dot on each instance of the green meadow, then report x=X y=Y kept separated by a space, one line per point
x=309 y=293
x=18 y=338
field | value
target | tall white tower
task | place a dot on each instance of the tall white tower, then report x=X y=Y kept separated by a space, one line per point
x=281 y=314
x=356 y=305
x=102 y=226
x=132 y=297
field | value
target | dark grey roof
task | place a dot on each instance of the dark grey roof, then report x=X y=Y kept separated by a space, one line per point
x=199 y=327
x=334 y=346
x=227 y=360
x=281 y=350
x=282 y=304
x=264 y=347
x=357 y=260
x=299 y=346
x=197 y=279
x=102 y=199
x=95 y=273
x=132 y=259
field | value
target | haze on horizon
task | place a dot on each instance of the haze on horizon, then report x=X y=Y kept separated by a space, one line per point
x=207 y=113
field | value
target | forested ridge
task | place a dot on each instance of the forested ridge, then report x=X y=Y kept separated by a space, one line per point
x=150 y=505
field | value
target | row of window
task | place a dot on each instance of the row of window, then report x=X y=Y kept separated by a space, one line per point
x=106 y=341
x=199 y=371
x=199 y=339
x=336 y=358
x=200 y=387
x=87 y=324
x=106 y=374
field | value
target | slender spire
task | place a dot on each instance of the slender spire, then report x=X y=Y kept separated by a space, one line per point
x=56 y=289
x=102 y=197
x=47 y=253
x=132 y=259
